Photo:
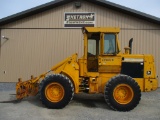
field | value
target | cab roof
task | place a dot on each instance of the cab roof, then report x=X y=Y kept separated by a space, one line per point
x=102 y=29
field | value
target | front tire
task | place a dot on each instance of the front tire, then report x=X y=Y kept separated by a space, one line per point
x=122 y=93
x=56 y=91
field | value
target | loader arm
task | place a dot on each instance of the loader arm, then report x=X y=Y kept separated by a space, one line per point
x=31 y=87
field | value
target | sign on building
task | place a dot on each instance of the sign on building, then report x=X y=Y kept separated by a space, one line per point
x=74 y=19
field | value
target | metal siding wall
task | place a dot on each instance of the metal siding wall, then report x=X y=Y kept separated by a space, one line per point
x=32 y=51
x=39 y=51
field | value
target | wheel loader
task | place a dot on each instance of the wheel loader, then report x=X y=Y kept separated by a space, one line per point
x=120 y=77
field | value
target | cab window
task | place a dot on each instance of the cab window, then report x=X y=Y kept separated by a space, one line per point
x=91 y=47
x=93 y=44
x=109 y=43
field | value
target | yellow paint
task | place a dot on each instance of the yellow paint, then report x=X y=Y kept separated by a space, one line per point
x=123 y=94
x=70 y=68
x=54 y=92
x=150 y=84
x=149 y=66
x=108 y=66
x=103 y=79
x=93 y=82
x=102 y=29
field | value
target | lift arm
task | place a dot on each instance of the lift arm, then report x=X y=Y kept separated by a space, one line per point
x=31 y=87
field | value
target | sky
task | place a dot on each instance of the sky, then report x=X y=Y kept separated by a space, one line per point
x=10 y=7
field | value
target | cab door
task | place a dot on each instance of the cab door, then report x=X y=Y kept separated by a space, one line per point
x=93 y=52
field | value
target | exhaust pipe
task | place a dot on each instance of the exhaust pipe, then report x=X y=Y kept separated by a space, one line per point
x=130 y=45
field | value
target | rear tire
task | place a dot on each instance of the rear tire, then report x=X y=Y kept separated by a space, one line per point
x=122 y=93
x=56 y=91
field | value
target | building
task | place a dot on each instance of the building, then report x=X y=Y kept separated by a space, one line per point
x=36 y=39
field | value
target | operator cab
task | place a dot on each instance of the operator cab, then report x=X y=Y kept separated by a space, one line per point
x=100 y=42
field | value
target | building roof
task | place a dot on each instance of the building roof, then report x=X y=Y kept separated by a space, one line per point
x=57 y=3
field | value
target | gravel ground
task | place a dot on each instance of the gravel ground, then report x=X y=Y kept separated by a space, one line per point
x=82 y=107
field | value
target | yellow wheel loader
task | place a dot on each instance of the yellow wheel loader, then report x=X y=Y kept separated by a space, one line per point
x=120 y=77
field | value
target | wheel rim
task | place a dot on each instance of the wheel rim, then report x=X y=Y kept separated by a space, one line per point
x=54 y=92
x=123 y=94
